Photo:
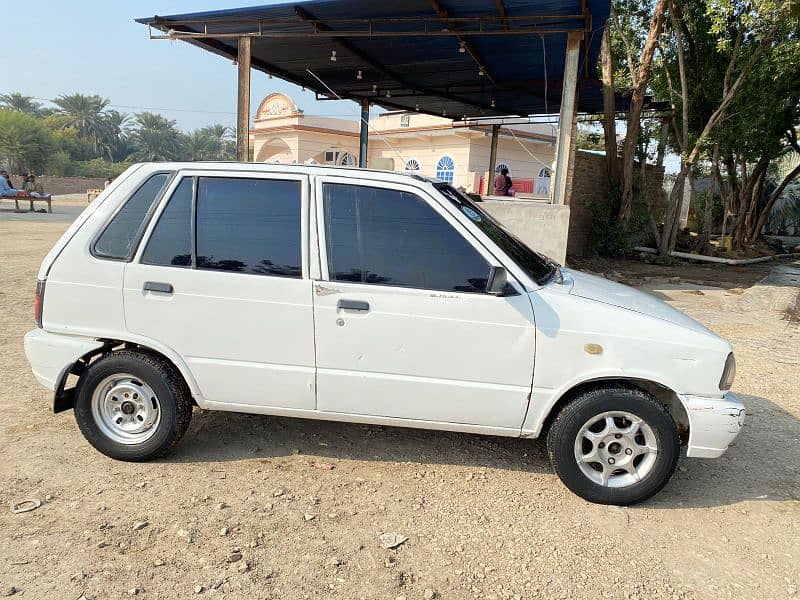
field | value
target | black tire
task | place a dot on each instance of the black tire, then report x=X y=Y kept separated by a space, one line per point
x=174 y=400
x=561 y=440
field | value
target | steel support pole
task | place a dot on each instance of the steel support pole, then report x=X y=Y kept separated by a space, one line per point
x=243 y=101
x=566 y=118
x=492 y=160
x=363 y=139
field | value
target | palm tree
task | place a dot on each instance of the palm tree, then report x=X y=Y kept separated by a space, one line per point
x=220 y=140
x=119 y=129
x=155 y=138
x=198 y=145
x=24 y=104
x=86 y=115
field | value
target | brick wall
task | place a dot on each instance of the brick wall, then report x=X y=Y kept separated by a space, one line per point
x=590 y=184
x=63 y=185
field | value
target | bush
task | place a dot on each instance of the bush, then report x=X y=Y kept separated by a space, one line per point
x=61 y=165
x=25 y=144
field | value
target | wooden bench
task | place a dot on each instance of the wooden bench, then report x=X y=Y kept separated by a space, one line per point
x=31 y=200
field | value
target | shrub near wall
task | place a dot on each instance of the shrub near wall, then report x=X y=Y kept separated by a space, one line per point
x=590 y=191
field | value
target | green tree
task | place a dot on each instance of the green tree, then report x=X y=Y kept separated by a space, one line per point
x=22 y=103
x=222 y=141
x=86 y=115
x=119 y=129
x=155 y=138
x=714 y=58
x=25 y=143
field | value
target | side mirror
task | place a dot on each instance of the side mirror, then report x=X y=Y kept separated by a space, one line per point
x=497 y=281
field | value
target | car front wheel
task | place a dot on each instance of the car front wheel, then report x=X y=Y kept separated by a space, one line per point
x=614 y=445
x=132 y=406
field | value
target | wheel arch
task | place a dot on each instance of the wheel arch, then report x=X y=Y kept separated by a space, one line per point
x=663 y=394
x=65 y=389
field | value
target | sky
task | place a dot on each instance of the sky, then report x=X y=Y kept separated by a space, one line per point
x=54 y=47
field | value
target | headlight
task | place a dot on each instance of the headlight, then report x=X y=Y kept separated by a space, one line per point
x=728 y=373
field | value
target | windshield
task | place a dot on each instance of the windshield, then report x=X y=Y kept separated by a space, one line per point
x=536 y=265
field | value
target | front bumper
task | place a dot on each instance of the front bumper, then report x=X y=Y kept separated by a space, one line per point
x=713 y=423
x=51 y=355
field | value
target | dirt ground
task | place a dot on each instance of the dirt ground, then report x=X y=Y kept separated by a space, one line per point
x=258 y=507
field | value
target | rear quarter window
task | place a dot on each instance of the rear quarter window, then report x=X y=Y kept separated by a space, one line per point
x=120 y=236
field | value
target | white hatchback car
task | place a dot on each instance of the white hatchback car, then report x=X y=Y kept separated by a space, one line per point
x=370 y=297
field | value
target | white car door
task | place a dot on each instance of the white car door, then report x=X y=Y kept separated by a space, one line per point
x=404 y=327
x=222 y=280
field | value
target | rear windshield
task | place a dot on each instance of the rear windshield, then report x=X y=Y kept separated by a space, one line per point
x=537 y=266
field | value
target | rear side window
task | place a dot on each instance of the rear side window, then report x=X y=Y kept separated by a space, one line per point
x=249 y=226
x=122 y=233
x=391 y=237
x=170 y=243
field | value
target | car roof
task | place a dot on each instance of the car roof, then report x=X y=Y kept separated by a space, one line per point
x=357 y=172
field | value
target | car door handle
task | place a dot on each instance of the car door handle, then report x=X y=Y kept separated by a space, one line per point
x=157 y=286
x=359 y=305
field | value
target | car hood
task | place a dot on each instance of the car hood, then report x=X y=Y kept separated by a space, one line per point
x=623 y=296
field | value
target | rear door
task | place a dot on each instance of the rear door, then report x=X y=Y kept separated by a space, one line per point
x=222 y=280
x=404 y=326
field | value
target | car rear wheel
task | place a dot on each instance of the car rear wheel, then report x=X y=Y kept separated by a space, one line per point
x=132 y=406
x=614 y=445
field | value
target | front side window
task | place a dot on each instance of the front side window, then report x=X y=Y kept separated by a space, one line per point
x=538 y=267
x=170 y=244
x=391 y=237
x=249 y=226
x=122 y=233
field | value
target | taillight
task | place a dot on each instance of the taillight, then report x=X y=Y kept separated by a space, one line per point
x=38 y=303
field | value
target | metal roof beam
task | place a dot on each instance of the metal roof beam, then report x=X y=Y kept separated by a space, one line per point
x=381 y=68
x=476 y=56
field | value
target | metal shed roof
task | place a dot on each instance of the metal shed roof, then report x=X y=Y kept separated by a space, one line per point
x=455 y=58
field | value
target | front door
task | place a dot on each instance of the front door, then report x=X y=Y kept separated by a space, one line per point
x=404 y=326
x=223 y=282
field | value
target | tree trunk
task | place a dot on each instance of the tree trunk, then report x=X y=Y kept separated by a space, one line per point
x=673 y=212
x=662 y=141
x=609 y=108
x=637 y=104
x=708 y=213
x=762 y=218
x=745 y=197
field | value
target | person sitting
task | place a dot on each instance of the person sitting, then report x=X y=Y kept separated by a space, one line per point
x=503 y=185
x=35 y=188
x=6 y=189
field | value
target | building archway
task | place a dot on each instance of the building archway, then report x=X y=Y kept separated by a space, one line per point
x=275 y=150
x=543 y=183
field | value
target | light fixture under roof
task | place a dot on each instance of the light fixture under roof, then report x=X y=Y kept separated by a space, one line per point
x=374 y=88
x=416 y=107
x=462 y=47
x=444 y=112
x=492 y=102
x=359 y=75
x=333 y=55
x=388 y=93
x=481 y=72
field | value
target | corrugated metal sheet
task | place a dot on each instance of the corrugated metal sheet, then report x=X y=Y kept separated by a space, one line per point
x=524 y=71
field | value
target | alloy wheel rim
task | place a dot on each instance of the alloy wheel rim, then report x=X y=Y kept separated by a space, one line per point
x=616 y=449
x=126 y=409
